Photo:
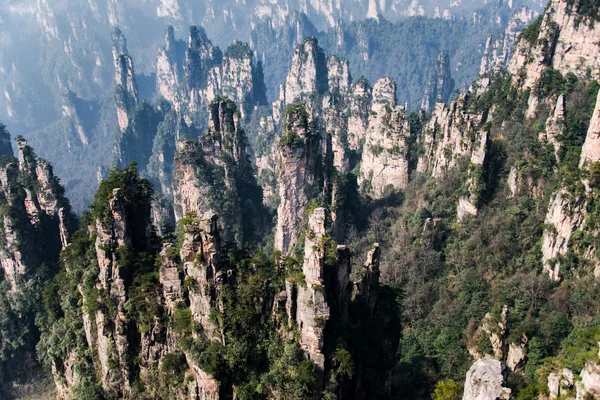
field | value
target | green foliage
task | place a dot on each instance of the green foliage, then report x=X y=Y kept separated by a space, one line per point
x=447 y=390
x=182 y=321
x=296 y=117
x=173 y=369
x=551 y=82
x=532 y=31
x=239 y=50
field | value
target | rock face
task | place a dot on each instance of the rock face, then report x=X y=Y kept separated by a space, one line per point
x=191 y=78
x=312 y=309
x=440 y=84
x=468 y=205
x=299 y=158
x=308 y=73
x=484 y=381
x=563 y=218
x=37 y=212
x=564 y=39
x=115 y=334
x=214 y=173
x=384 y=162
x=560 y=383
x=126 y=97
x=498 y=49
x=590 y=153
x=555 y=126
x=590 y=381
x=452 y=133
x=358 y=122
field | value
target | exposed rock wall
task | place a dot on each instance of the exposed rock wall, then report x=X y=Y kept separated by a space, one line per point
x=440 y=84
x=452 y=133
x=564 y=216
x=590 y=153
x=384 y=162
x=566 y=41
x=299 y=158
x=312 y=309
x=213 y=172
x=126 y=97
x=192 y=78
x=485 y=381
x=308 y=72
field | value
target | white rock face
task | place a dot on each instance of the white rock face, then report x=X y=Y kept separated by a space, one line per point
x=560 y=383
x=590 y=381
x=555 y=126
x=167 y=77
x=307 y=72
x=566 y=42
x=358 y=121
x=590 y=153
x=498 y=50
x=296 y=178
x=313 y=311
x=451 y=134
x=384 y=162
x=484 y=381
x=516 y=356
x=564 y=217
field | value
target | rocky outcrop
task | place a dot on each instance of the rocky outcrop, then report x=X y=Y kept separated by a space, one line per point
x=168 y=63
x=440 y=84
x=35 y=212
x=308 y=72
x=499 y=48
x=563 y=218
x=467 y=205
x=358 y=121
x=202 y=242
x=560 y=383
x=555 y=126
x=299 y=156
x=384 y=163
x=590 y=153
x=192 y=78
x=214 y=173
x=126 y=97
x=485 y=381
x=590 y=381
x=312 y=311
x=452 y=133
x=563 y=39
x=516 y=357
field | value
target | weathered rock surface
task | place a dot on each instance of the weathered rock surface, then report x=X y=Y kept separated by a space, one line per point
x=384 y=162
x=563 y=218
x=299 y=156
x=214 y=173
x=308 y=72
x=555 y=126
x=590 y=153
x=566 y=41
x=126 y=97
x=440 y=84
x=452 y=133
x=484 y=381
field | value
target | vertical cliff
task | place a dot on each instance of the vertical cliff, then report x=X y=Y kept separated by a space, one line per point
x=308 y=72
x=298 y=176
x=36 y=223
x=214 y=173
x=440 y=84
x=384 y=162
x=126 y=91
